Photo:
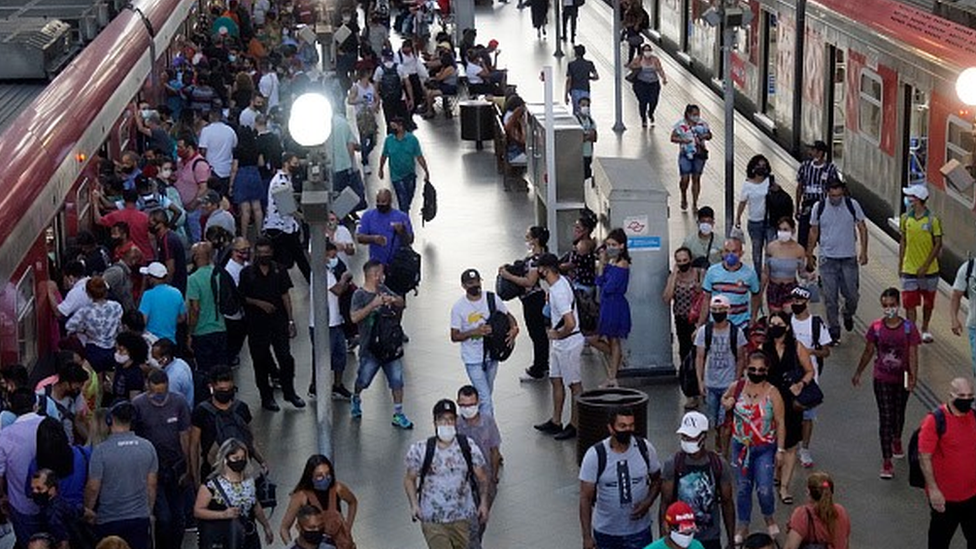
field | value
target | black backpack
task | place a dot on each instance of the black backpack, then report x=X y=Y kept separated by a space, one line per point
x=386 y=336
x=429 y=211
x=403 y=272
x=688 y=374
x=601 y=457
x=915 y=476
x=228 y=424
x=391 y=87
x=496 y=348
x=226 y=295
x=465 y=445
x=506 y=289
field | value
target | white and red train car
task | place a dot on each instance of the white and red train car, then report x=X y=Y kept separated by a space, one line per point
x=49 y=154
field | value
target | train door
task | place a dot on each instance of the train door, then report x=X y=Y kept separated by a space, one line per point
x=767 y=65
x=915 y=135
x=26 y=314
x=835 y=105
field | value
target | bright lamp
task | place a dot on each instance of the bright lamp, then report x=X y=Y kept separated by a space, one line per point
x=310 y=123
x=966 y=86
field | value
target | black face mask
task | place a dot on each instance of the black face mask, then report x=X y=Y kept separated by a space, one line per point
x=623 y=437
x=776 y=332
x=313 y=537
x=473 y=291
x=223 y=397
x=41 y=499
x=262 y=260
x=798 y=308
x=756 y=378
x=720 y=316
x=684 y=267
x=964 y=405
x=384 y=208
x=237 y=466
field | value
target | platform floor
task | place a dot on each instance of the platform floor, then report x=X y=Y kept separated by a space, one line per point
x=481 y=225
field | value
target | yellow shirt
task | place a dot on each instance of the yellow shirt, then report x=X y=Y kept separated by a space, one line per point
x=919 y=235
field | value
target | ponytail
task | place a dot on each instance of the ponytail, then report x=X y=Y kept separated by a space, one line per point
x=821 y=488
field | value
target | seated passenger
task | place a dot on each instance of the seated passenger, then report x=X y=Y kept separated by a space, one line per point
x=444 y=82
x=479 y=77
x=514 y=130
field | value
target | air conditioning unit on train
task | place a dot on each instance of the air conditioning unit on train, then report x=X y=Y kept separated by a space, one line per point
x=958 y=176
x=34 y=48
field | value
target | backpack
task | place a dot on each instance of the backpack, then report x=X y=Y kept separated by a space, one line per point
x=506 y=289
x=226 y=296
x=391 y=87
x=496 y=348
x=228 y=424
x=969 y=275
x=714 y=467
x=915 y=477
x=465 y=445
x=818 y=325
x=601 y=457
x=403 y=274
x=847 y=200
x=688 y=374
x=386 y=336
x=429 y=211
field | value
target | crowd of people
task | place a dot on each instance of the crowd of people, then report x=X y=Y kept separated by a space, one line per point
x=136 y=434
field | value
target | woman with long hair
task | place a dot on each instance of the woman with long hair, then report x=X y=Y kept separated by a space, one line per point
x=614 y=324
x=97 y=324
x=683 y=285
x=69 y=463
x=820 y=521
x=648 y=77
x=227 y=508
x=785 y=263
x=318 y=486
x=533 y=301
x=790 y=370
x=753 y=198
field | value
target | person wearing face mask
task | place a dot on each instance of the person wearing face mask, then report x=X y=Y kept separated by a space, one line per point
x=679 y=528
x=589 y=133
x=811 y=186
x=402 y=149
x=811 y=331
x=179 y=376
x=226 y=506
x=648 y=77
x=384 y=228
x=701 y=242
x=533 y=302
x=64 y=399
x=281 y=226
x=128 y=379
x=122 y=477
x=698 y=475
x=161 y=305
x=169 y=250
x=338 y=286
x=614 y=322
x=469 y=327
x=735 y=280
x=163 y=418
x=620 y=478
x=318 y=487
x=481 y=428
x=753 y=197
x=784 y=264
x=128 y=169
x=318 y=529
x=96 y=324
x=579 y=73
x=681 y=290
x=838 y=226
x=720 y=348
x=442 y=499
x=691 y=133
x=947 y=450
x=205 y=323
x=918 y=257
x=895 y=341
x=137 y=221
x=758 y=442
x=57 y=518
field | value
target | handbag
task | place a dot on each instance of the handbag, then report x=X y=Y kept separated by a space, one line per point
x=266 y=492
x=632 y=77
x=635 y=40
x=810 y=396
x=697 y=303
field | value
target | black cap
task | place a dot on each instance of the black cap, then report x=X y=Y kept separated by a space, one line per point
x=445 y=406
x=819 y=145
x=470 y=275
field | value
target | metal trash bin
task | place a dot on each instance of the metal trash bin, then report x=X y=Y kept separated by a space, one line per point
x=592 y=408
x=477 y=121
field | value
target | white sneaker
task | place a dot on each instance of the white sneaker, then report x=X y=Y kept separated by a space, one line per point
x=927 y=337
x=367 y=170
x=806 y=458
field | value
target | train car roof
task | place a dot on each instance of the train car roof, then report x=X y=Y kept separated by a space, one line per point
x=14 y=98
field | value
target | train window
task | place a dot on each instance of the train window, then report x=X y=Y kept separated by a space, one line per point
x=26 y=320
x=869 y=105
x=960 y=145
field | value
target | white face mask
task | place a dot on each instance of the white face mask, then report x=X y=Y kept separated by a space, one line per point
x=691 y=446
x=333 y=263
x=682 y=540
x=784 y=236
x=446 y=433
x=165 y=174
x=388 y=64
x=121 y=358
x=585 y=111
x=705 y=228
x=648 y=54
x=468 y=412
x=529 y=246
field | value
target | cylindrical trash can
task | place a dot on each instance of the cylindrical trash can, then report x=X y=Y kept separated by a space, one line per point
x=477 y=121
x=593 y=408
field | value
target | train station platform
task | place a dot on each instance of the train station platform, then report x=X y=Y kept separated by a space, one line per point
x=480 y=225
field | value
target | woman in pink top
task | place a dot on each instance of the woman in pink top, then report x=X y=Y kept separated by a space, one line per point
x=820 y=521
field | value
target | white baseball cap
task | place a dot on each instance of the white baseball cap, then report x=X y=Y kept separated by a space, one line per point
x=920 y=192
x=155 y=270
x=693 y=424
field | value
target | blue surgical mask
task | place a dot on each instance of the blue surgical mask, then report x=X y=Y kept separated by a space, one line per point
x=333 y=263
x=322 y=484
x=908 y=203
x=731 y=260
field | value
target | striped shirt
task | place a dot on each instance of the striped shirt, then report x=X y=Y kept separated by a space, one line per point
x=813 y=179
x=737 y=285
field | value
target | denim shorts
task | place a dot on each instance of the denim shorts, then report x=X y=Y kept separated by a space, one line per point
x=690 y=166
x=369 y=367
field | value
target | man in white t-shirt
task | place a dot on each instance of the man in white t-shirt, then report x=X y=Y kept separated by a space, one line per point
x=469 y=327
x=269 y=85
x=805 y=324
x=77 y=296
x=337 y=337
x=217 y=143
x=565 y=348
x=240 y=253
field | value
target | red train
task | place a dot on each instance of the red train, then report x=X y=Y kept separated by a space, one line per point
x=49 y=152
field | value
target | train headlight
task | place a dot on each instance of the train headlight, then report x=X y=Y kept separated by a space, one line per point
x=310 y=123
x=966 y=86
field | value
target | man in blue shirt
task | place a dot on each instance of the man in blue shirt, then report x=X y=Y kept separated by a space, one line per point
x=403 y=149
x=384 y=228
x=162 y=305
x=736 y=281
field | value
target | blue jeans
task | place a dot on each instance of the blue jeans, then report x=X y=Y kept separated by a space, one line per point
x=193 y=228
x=839 y=276
x=134 y=531
x=482 y=376
x=690 y=166
x=640 y=540
x=369 y=366
x=337 y=352
x=757 y=239
x=753 y=468
x=713 y=405
x=405 y=189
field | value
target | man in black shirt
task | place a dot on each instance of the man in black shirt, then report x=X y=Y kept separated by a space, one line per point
x=169 y=250
x=270 y=324
x=579 y=72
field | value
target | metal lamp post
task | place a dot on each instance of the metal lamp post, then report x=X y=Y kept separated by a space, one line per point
x=310 y=125
x=618 y=108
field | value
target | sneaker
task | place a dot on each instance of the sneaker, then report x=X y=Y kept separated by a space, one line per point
x=367 y=170
x=927 y=337
x=270 y=405
x=401 y=421
x=897 y=451
x=295 y=401
x=887 y=470
x=806 y=458
x=311 y=391
x=356 y=411
x=549 y=427
x=529 y=375
x=339 y=392
x=849 y=323
x=566 y=434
